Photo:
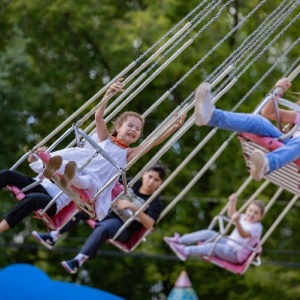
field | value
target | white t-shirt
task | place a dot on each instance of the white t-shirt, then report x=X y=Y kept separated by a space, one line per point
x=255 y=230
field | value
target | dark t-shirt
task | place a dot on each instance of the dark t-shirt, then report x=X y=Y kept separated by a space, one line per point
x=153 y=210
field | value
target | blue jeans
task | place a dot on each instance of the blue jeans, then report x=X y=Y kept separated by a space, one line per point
x=219 y=249
x=257 y=124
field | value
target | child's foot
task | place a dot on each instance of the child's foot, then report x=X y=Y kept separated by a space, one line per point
x=53 y=165
x=173 y=239
x=69 y=175
x=259 y=164
x=179 y=251
x=44 y=239
x=71 y=266
x=204 y=107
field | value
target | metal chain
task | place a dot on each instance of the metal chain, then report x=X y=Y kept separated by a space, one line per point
x=245 y=44
x=172 y=30
x=217 y=45
x=280 y=59
x=255 y=45
x=181 y=38
x=268 y=46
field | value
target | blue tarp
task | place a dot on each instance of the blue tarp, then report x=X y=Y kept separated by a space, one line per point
x=27 y=282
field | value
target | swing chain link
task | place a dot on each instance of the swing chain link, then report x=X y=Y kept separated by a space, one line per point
x=273 y=40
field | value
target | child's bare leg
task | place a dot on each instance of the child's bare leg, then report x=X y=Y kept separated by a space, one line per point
x=4 y=226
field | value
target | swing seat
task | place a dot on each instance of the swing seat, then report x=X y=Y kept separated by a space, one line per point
x=268 y=143
x=239 y=269
x=80 y=197
x=52 y=223
x=131 y=243
x=287 y=177
x=60 y=219
x=134 y=240
x=19 y=195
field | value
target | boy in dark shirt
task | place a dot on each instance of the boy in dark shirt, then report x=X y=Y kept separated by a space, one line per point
x=108 y=227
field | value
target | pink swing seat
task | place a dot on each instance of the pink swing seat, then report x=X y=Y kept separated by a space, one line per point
x=131 y=243
x=287 y=176
x=269 y=144
x=239 y=269
x=67 y=212
x=52 y=223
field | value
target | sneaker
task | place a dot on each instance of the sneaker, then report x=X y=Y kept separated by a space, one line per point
x=259 y=164
x=71 y=266
x=204 y=107
x=69 y=175
x=53 y=165
x=173 y=239
x=179 y=251
x=44 y=239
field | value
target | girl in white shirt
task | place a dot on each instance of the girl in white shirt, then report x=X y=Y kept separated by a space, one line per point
x=247 y=231
x=127 y=130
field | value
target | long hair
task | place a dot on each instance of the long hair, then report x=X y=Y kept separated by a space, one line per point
x=123 y=118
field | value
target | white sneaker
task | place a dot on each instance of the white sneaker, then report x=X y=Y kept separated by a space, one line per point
x=204 y=107
x=259 y=164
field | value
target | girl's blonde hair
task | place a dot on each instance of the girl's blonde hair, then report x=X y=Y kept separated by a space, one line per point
x=123 y=117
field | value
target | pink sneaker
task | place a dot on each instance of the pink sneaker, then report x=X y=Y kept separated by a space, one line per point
x=173 y=239
x=179 y=251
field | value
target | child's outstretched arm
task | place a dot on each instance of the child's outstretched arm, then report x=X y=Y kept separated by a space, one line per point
x=32 y=157
x=142 y=146
x=165 y=135
x=286 y=116
x=231 y=208
x=35 y=163
x=235 y=216
x=102 y=131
